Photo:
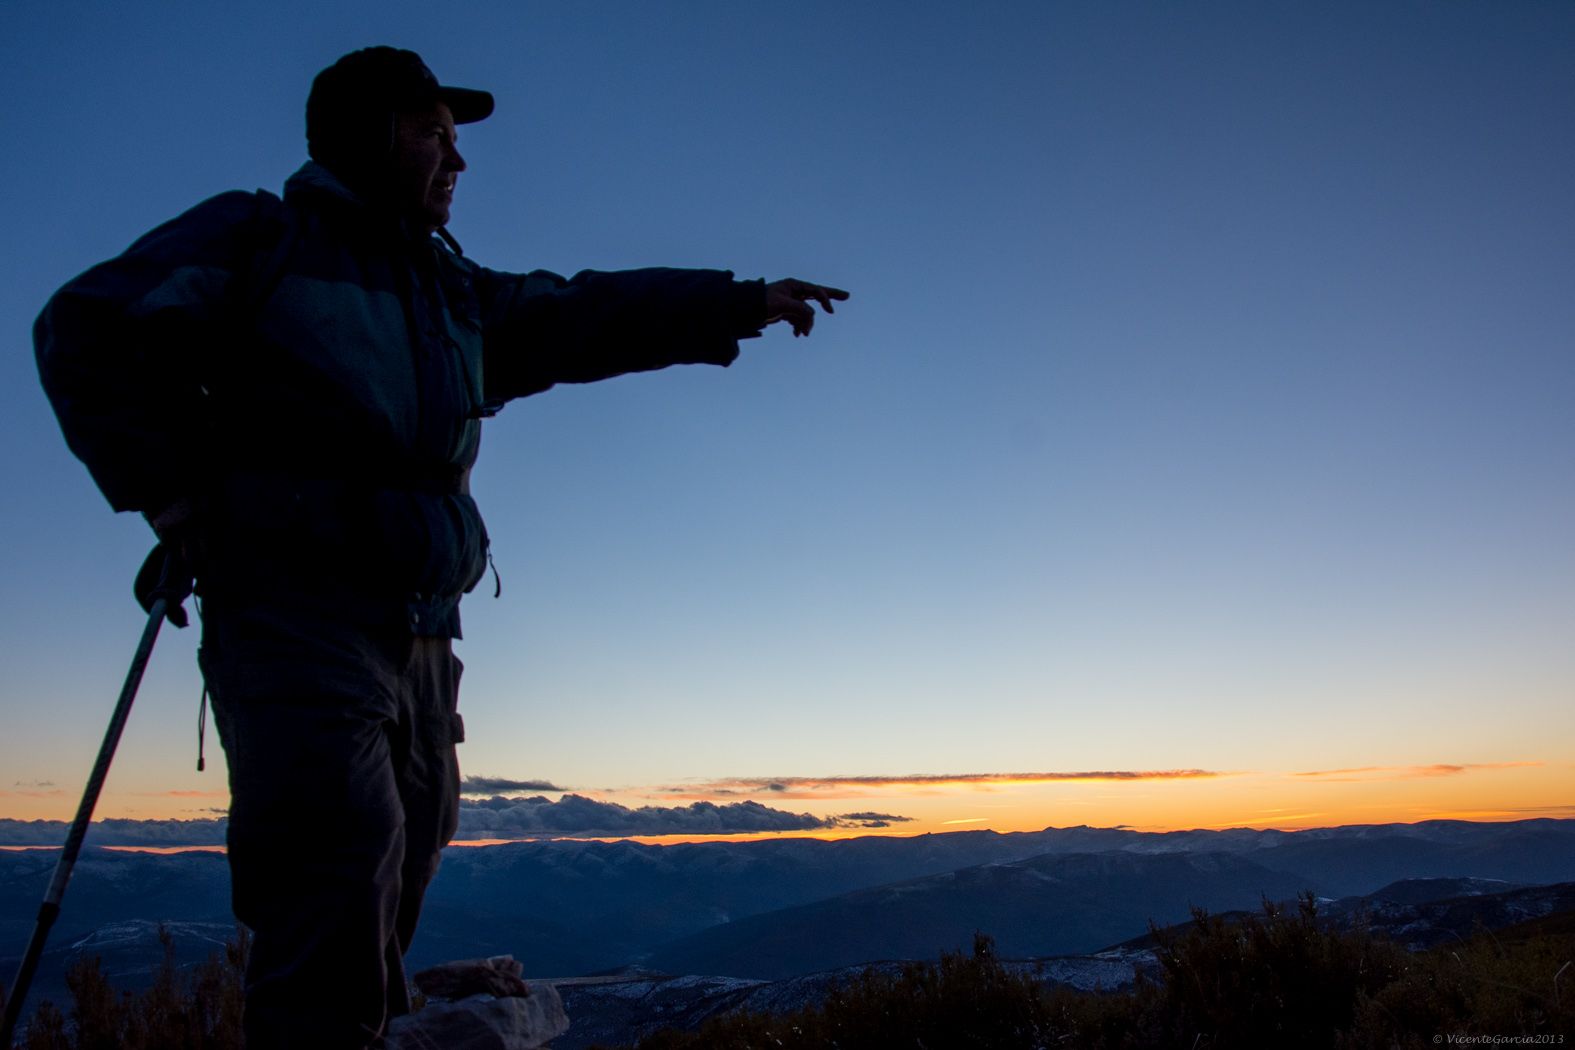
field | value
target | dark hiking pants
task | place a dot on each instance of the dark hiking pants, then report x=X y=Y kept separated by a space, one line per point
x=344 y=788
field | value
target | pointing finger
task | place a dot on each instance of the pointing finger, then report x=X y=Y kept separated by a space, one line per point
x=824 y=294
x=819 y=293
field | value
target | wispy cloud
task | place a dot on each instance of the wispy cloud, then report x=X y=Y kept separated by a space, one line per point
x=503 y=785
x=870 y=820
x=856 y=786
x=1279 y=816
x=1440 y=769
x=33 y=789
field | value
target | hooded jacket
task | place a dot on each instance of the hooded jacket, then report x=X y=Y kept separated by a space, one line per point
x=315 y=378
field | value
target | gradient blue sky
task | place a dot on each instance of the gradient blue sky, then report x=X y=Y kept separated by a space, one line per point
x=1204 y=402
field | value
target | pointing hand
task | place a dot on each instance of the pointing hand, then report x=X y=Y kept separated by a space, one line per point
x=788 y=300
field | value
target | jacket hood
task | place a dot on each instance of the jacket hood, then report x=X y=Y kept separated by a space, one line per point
x=314 y=181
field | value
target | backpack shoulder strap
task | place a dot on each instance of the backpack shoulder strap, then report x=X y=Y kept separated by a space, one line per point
x=273 y=238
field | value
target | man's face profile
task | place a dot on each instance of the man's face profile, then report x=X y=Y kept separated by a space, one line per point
x=426 y=165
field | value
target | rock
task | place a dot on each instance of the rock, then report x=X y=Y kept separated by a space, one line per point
x=500 y=976
x=483 y=1022
x=480 y=1004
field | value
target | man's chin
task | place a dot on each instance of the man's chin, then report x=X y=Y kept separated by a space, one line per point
x=435 y=215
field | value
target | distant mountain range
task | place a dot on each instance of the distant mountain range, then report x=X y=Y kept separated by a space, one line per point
x=787 y=908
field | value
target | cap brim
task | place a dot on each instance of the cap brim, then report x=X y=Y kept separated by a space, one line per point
x=467 y=104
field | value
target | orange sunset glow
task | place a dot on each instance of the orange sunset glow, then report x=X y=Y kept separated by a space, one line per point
x=1150 y=800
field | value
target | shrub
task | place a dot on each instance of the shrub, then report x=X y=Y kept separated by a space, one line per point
x=196 y=1011
x=1280 y=981
x=963 y=1001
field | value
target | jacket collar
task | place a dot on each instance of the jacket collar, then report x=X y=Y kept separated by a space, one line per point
x=314 y=186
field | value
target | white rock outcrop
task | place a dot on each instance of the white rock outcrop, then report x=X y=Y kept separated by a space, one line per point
x=480 y=1004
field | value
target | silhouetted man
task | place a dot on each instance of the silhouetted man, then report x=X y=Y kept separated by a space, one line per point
x=292 y=392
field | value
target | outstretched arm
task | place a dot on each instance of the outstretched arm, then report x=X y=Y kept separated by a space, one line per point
x=540 y=329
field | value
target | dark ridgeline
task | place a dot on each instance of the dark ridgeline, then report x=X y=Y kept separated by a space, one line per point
x=1047 y=905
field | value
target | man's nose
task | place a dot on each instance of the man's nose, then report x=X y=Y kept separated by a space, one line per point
x=454 y=162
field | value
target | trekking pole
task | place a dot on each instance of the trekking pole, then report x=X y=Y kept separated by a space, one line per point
x=174 y=583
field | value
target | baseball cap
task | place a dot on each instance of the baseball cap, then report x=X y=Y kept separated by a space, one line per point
x=379 y=80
